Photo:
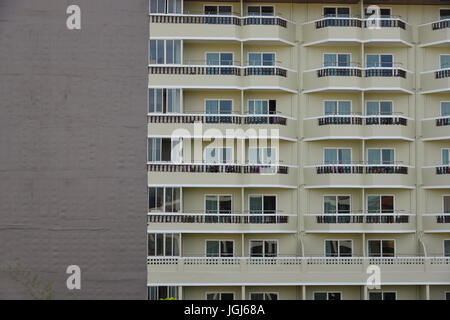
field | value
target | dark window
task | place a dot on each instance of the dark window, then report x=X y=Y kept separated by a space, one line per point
x=444 y=14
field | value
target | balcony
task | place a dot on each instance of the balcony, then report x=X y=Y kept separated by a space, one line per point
x=226 y=27
x=223 y=77
x=223 y=174
x=436 y=128
x=435 y=33
x=355 y=77
x=359 y=175
x=398 y=221
x=436 y=222
x=223 y=222
x=347 y=30
x=166 y=124
x=357 y=126
x=435 y=81
x=436 y=177
x=295 y=270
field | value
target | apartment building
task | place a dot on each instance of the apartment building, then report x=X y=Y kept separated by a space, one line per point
x=337 y=168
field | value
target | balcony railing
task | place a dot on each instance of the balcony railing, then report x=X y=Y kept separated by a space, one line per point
x=218 y=19
x=407 y=261
x=218 y=168
x=441 y=74
x=443 y=121
x=233 y=70
x=443 y=169
x=228 y=217
x=354 y=119
x=217 y=118
x=357 y=22
x=354 y=70
x=344 y=218
x=442 y=24
x=355 y=168
x=385 y=72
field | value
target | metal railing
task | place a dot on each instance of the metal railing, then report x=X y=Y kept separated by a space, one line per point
x=357 y=22
x=443 y=169
x=443 y=121
x=360 y=168
x=222 y=217
x=357 y=119
x=348 y=218
x=232 y=118
x=442 y=24
x=219 y=168
x=441 y=74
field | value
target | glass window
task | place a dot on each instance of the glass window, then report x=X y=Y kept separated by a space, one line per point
x=379 y=60
x=155 y=199
x=333 y=60
x=337 y=156
x=263 y=248
x=446 y=204
x=162 y=292
x=384 y=13
x=337 y=107
x=260 y=10
x=221 y=10
x=219 y=59
x=165 y=51
x=262 y=204
x=446 y=248
x=165 y=6
x=444 y=14
x=163 y=244
x=164 y=100
x=381 y=248
x=445 y=157
x=218 y=204
x=338 y=248
x=380 y=156
x=445 y=61
x=378 y=295
x=220 y=296
x=336 y=204
x=445 y=109
x=262 y=155
x=219 y=248
x=263 y=296
x=218 y=155
x=378 y=107
x=336 y=12
x=261 y=59
x=327 y=296
x=258 y=106
x=380 y=204
x=219 y=106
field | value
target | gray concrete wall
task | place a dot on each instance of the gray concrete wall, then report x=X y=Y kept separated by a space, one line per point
x=73 y=148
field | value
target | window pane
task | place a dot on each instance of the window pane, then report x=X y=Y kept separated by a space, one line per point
x=254 y=59
x=177 y=54
x=374 y=248
x=226 y=106
x=225 y=204
x=159 y=244
x=373 y=156
x=345 y=248
x=447 y=248
x=386 y=60
x=331 y=248
x=445 y=109
x=343 y=12
x=268 y=59
x=211 y=204
x=210 y=9
x=344 y=204
x=334 y=296
x=386 y=107
x=212 y=59
x=212 y=296
x=345 y=156
x=159 y=100
x=388 y=248
x=226 y=296
x=151 y=244
x=212 y=106
x=345 y=107
x=269 y=204
x=387 y=204
x=373 y=204
x=151 y=100
x=176 y=247
x=329 y=204
x=162 y=292
x=372 y=108
x=212 y=155
x=327 y=12
x=151 y=199
x=372 y=60
x=387 y=156
x=446 y=204
x=375 y=296
x=389 y=296
x=343 y=60
x=212 y=248
x=152 y=52
x=256 y=248
x=169 y=245
x=253 y=155
x=444 y=14
x=271 y=296
x=226 y=59
x=329 y=60
x=225 y=10
x=160 y=51
x=226 y=248
x=266 y=11
x=169 y=51
x=445 y=156
x=153 y=293
x=320 y=296
x=168 y=202
x=445 y=61
x=257 y=296
x=255 y=204
x=253 y=11
x=330 y=156
x=270 y=248
x=330 y=107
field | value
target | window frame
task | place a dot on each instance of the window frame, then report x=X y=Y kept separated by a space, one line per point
x=157 y=292
x=443 y=247
x=379 y=107
x=379 y=196
x=220 y=293
x=381 y=8
x=262 y=61
x=263 y=247
x=218 y=201
x=166 y=101
x=261 y=154
x=327 y=293
x=443 y=201
x=336 y=7
x=337 y=107
x=379 y=59
x=440 y=61
x=164 y=243
x=381 y=247
x=263 y=293
x=442 y=156
x=221 y=160
x=382 y=294
x=164 y=198
x=260 y=10
x=218 y=106
x=441 y=105
x=337 y=155
x=220 y=59
x=262 y=195
x=336 y=196
x=165 y=52
x=217 y=7
x=219 y=240
x=440 y=9
x=339 y=247
x=381 y=155
x=337 y=60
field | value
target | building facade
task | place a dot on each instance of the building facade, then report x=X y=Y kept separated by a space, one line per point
x=299 y=150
